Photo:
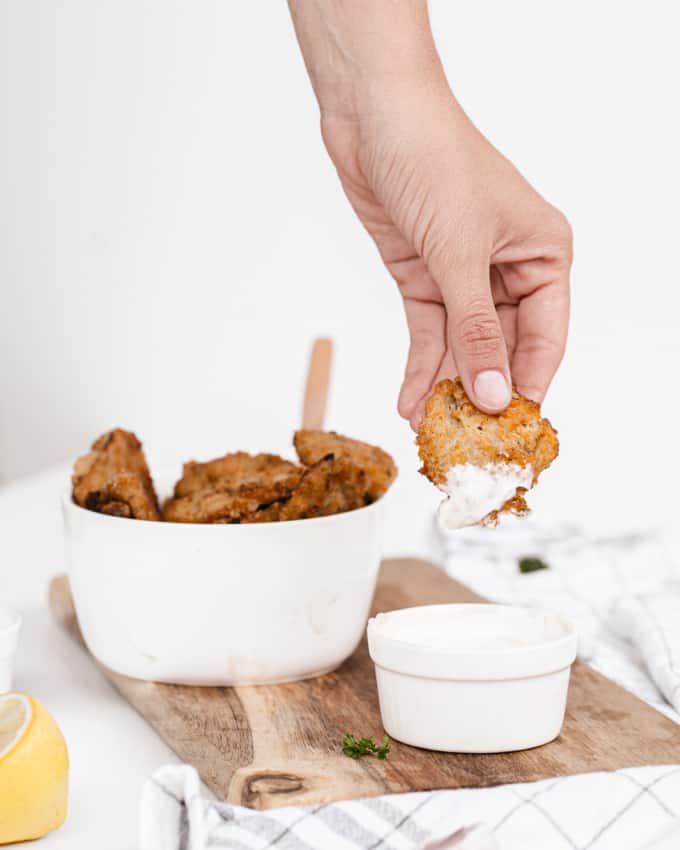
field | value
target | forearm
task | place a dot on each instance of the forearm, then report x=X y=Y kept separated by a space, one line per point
x=358 y=54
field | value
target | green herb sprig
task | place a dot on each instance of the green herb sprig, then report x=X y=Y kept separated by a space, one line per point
x=532 y=565
x=356 y=748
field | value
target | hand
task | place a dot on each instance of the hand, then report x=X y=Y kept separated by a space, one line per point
x=481 y=260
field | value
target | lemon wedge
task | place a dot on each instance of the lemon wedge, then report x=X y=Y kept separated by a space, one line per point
x=33 y=770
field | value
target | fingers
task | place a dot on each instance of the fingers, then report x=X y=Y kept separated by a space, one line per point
x=507 y=315
x=447 y=369
x=542 y=321
x=427 y=329
x=476 y=337
x=506 y=307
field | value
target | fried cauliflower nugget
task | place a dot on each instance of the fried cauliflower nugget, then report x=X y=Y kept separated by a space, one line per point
x=331 y=486
x=114 y=478
x=378 y=466
x=228 y=488
x=235 y=470
x=214 y=505
x=454 y=432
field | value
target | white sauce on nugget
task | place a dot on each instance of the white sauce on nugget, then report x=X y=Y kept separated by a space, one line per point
x=473 y=492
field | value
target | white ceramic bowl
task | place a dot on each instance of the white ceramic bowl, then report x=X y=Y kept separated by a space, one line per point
x=10 y=624
x=223 y=604
x=472 y=678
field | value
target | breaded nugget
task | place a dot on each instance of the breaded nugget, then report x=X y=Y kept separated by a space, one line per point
x=331 y=486
x=228 y=488
x=234 y=470
x=378 y=466
x=453 y=432
x=214 y=505
x=124 y=495
x=114 y=478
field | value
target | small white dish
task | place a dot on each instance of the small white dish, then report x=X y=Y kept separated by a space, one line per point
x=10 y=624
x=472 y=678
x=263 y=603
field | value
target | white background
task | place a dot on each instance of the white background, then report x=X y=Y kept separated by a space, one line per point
x=172 y=237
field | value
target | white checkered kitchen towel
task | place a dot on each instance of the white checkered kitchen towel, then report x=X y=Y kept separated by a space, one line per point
x=627 y=810
x=624 y=595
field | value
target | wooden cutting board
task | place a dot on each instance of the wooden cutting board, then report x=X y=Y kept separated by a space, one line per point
x=280 y=745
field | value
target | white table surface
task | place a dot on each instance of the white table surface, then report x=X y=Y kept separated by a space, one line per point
x=112 y=750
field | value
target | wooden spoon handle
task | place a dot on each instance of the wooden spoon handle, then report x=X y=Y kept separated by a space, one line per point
x=316 y=388
x=62 y=608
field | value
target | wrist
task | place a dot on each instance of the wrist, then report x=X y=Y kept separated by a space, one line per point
x=361 y=57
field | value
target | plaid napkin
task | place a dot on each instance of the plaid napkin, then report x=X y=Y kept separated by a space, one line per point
x=650 y=623
x=627 y=810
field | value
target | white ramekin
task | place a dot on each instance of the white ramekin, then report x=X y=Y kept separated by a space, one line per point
x=223 y=604
x=483 y=696
x=10 y=623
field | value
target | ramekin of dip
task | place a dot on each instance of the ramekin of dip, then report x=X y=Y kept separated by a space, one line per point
x=472 y=678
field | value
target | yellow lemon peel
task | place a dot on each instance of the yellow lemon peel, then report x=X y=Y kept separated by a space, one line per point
x=33 y=770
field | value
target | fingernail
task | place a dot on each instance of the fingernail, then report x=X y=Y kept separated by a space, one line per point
x=492 y=390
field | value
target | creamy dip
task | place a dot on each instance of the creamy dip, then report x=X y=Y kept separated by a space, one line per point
x=473 y=628
x=466 y=638
x=473 y=492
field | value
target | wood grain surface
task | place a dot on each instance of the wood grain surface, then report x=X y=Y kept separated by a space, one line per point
x=317 y=384
x=280 y=745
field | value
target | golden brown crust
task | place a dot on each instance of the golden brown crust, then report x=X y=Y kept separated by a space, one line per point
x=236 y=470
x=121 y=509
x=378 y=466
x=223 y=505
x=114 y=478
x=264 y=513
x=230 y=487
x=126 y=495
x=454 y=431
x=331 y=486
x=339 y=475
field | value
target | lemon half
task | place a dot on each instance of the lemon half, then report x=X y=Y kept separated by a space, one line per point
x=33 y=770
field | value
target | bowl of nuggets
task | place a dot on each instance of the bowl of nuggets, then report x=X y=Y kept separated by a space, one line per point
x=255 y=569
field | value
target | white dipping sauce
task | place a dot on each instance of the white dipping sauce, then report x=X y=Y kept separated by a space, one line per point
x=451 y=639
x=469 y=628
x=473 y=492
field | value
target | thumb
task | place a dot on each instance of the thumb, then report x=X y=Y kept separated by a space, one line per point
x=476 y=338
